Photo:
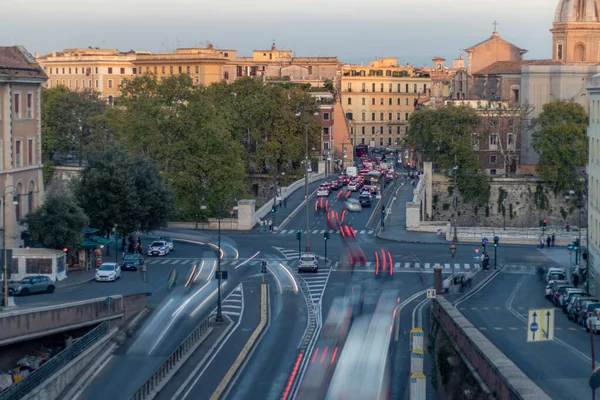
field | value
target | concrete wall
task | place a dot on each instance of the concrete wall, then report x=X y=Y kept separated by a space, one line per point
x=497 y=371
x=526 y=204
x=21 y=325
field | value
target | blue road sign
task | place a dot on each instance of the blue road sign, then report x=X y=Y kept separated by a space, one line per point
x=485 y=241
x=534 y=327
x=477 y=257
x=570 y=247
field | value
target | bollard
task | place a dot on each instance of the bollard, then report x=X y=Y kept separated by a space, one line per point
x=417 y=386
x=416 y=338
x=416 y=361
x=437 y=278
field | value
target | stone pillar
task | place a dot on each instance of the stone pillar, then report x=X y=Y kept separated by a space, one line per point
x=322 y=167
x=437 y=279
x=246 y=214
x=428 y=176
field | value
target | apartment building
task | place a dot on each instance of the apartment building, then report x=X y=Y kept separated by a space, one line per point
x=21 y=181
x=593 y=189
x=378 y=99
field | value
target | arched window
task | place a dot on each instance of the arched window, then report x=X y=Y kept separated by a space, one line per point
x=389 y=141
x=579 y=52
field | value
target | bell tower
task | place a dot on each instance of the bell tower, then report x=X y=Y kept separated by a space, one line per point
x=576 y=32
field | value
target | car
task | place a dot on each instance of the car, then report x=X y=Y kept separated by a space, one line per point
x=365 y=200
x=354 y=294
x=308 y=262
x=553 y=271
x=30 y=285
x=573 y=308
x=322 y=205
x=335 y=185
x=568 y=295
x=352 y=205
x=169 y=242
x=353 y=186
x=323 y=190
x=108 y=272
x=586 y=309
x=132 y=261
x=158 y=248
x=559 y=290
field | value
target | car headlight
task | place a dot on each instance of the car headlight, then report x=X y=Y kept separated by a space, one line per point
x=18 y=288
x=162 y=249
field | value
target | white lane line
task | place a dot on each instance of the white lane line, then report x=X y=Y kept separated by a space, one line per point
x=467 y=266
x=315 y=232
x=406 y=265
x=456 y=266
x=397 y=265
x=323 y=231
x=447 y=266
x=427 y=265
x=418 y=265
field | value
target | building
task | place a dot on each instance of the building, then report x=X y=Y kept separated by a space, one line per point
x=105 y=70
x=378 y=99
x=496 y=140
x=20 y=139
x=442 y=78
x=593 y=170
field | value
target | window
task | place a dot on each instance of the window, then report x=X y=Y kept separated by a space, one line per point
x=475 y=141
x=399 y=87
x=76 y=71
x=373 y=101
x=171 y=70
x=188 y=69
x=51 y=70
x=407 y=88
x=425 y=88
x=110 y=100
x=381 y=101
x=325 y=145
x=398 y=102
x=225 y=74
x=326 y=116
x=363 y=116
x=363 y=130
x=110 y=83
x=135 y=71
x=30 y=199
x=398 y=116
x=349 y=100
x=30 y=152
x=381 y=142
x=381 y=87
x=38 y=266
x=110 y=70
x=373 y=87
x=122 y=71
x=326 y=132
x=493 y=159
x=349 y=87
x=96 y=83
x=389 y=116
x=493 y=142
x=63 y=71
x=406 y=116
x=510 y=141
x=389 y=141
x=18 y=153
x=163 y=70
x=363 y=87
x=381 y=116
x=492 y=172
x=559 y=51
x=69 y=71
x=381 y=130
x=363 y=101
x=76 y=83
x=398 y=130
x=406 y=101
x=390 y=87
x=155 y=70
x=29 y=105
x=515 y=95
x=362 y=141
x=390 y=101
x=372 y=130
x=373 y=116
x=96 y=70
x=390 y=129
x=70 y=83
x=83 y=83
x=388 y=72
x=17 y=106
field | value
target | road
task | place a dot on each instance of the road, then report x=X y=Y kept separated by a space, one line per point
x=560 y=367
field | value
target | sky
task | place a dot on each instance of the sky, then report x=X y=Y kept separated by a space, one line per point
x=352 y=30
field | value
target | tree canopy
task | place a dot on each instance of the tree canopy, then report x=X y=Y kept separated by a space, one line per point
x=117 y=190
x=559 y=136
x=59 y=223
x=444 y=134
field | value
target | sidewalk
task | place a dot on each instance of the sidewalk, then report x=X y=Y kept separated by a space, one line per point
x=395 y=224
x=76 y=277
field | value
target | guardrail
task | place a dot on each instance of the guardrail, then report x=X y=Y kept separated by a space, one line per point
x=37 y=377
x=147 y=391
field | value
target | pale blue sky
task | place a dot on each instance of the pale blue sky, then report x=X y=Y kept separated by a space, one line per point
x=412 y=31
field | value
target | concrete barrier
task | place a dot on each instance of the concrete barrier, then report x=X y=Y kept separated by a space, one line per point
x=498 y=372
x=26 y=324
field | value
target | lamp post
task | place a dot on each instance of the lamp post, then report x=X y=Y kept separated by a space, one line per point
x=580 y=204
x=219 y=316
x=452 y=252
x=306 y=121
x=504 y=211
x=15 y=202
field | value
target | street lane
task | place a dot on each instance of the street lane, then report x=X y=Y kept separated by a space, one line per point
x=561 y=367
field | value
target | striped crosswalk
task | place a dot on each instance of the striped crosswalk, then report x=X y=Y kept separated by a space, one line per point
x=321 y=231
x=233 y=304
x=408 y=266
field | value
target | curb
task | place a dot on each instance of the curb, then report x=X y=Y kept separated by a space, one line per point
x=294 y=213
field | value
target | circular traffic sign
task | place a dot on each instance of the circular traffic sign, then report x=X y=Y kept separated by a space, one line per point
x=533 y=327
x=484 y=240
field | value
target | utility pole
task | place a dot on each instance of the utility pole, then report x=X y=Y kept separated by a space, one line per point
x=306 y=182
x=454 y=200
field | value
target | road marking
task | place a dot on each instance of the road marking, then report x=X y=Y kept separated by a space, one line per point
x=370 y=232
x=427 y=265
x=483 y=328
x=457 y=266
x=363 y=231
x=397 y=265
x=512 y=328
x=315 y=232
x=498 y=328
x=323 y=231
x=406 y=265
x=497 y=308
x=417 y=265
x=485 y=308
x=283 y=231
x=473 y=308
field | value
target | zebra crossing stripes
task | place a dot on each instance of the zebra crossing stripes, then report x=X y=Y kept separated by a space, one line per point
x=316 y=231
x=407 y=266
x=233 y=305
x=316 y=283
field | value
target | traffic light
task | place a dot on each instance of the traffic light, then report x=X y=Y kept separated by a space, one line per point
x=576 y=244
x=545 y=222
x=496 y=241
x=584 y=255
x=382 y=211
x=298 y=235
x=326 y=235
x=274 y=208
x=264 y=267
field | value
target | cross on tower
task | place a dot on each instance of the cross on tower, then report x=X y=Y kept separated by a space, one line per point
x=495 y=25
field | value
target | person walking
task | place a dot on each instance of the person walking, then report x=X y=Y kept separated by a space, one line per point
x=575 y=280
x=285 y=202
x=541 y=241
x=548 y=240
x=270 y=225
x=553 y=238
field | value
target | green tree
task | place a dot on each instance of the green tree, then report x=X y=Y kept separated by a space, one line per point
x=116 y=190
x=559 y=136
x=51 y=97
x=59 y=223
x=328 y=86
x=444 y=136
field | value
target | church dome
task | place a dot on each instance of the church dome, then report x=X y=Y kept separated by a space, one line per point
x=577 y=11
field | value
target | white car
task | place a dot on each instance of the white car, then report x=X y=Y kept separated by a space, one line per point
x=108 y=272
x=308 y=262
x=323 y=190
x=352 y=205
x=353 y=186
x=158 y=248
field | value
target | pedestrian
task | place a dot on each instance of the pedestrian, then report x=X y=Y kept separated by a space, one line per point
x=270 y=225
x=548 y=240
x=575 y=280
x=285 y=202
x=553 y=238
x=140 y=248
x=259 y=224
x=541 y=241
x=567 y=228
x=264 y=225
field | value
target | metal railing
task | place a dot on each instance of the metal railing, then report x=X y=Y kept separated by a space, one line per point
x=172 y=363
x=37 y=377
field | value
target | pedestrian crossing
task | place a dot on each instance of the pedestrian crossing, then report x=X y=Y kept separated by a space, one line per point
x=413 y=266
x=233 y=305
x=322 y=231
x=316 y=283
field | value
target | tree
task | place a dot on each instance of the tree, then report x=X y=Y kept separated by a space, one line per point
x=444 y=136
x=50 y=135
x=116 y=190
x=559 y=136
x=59 y=223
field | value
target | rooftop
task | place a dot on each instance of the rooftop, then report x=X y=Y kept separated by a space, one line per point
x=16 y=62
x=512 y=67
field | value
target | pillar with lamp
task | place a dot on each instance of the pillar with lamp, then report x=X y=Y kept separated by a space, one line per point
x=220 y=275
x=5 y=252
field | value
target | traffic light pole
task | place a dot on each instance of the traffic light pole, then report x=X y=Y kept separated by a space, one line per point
x=299 y=237
x=326 y=249
x=496 y=257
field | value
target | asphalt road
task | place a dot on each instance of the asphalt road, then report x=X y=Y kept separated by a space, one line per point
x=560 y=367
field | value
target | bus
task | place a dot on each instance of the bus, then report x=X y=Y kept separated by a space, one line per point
x=364 y=367
x=374 y=181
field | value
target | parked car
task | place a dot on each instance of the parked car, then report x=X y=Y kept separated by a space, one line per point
x=586 y=310
x=559 y=290
x=30 y=285
x=158 y=248
x=573 y=309
x=551 y=286
x=132 y=261
x=568 y=295
x=593 y=322
x=108 y=272
x=169 y=242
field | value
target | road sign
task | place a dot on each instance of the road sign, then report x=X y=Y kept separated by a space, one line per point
x=540 y=325
x=570 y=247
x=570 y=252
x=478 y=257
x=476 y=250
x=431 y=293
x=484 y=241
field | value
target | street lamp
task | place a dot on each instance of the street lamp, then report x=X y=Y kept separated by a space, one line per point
x=219 y=316
x=306 y=121
x=504 y=211
x=453 y=252
x=15 y=202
